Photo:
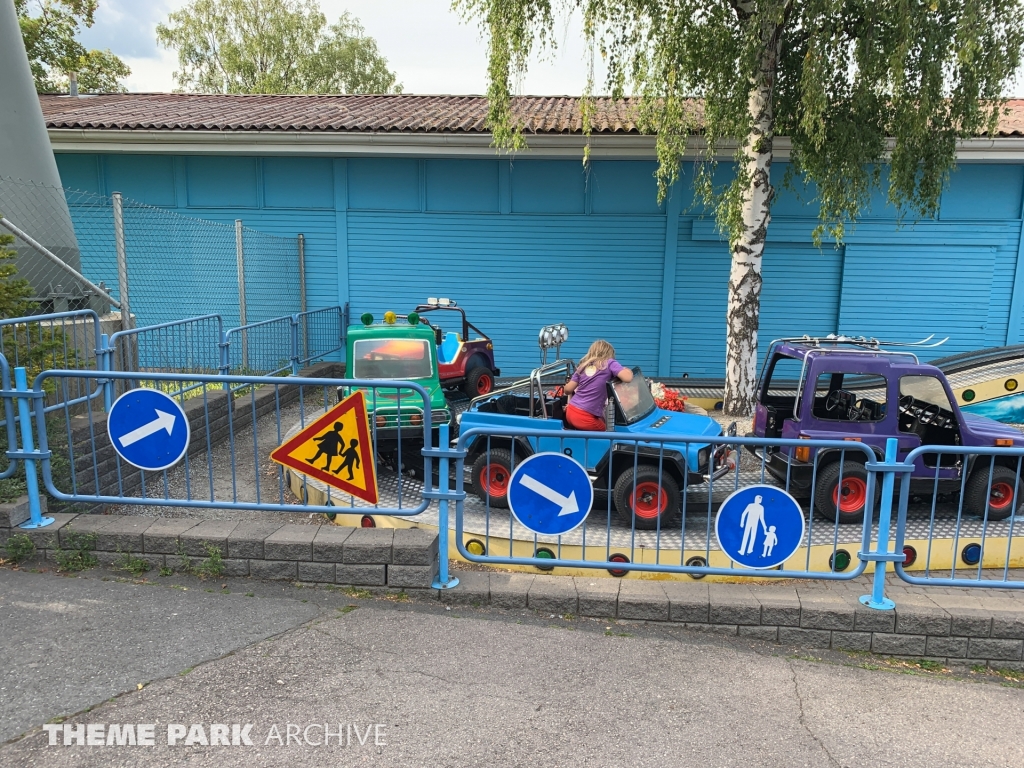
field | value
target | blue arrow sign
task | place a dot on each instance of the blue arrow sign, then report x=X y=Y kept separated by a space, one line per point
x=148 y=429
x=759 y=526
x=550 y=493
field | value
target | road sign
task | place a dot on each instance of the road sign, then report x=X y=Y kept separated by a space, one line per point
x=336 y=450
x=550 y=493
x=148 y=429
x=759 y=526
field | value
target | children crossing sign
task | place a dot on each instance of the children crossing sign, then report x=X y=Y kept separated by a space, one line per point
x=336 y=450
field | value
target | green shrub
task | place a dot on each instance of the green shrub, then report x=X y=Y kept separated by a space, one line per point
x=19 y=548
x=77 y=556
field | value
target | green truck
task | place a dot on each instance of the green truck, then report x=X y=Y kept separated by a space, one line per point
x=400 y=348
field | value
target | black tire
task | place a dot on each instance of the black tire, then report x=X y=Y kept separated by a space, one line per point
x=479 y=381
x=493 y=486
x=998 y=502
x=849 y=507
x=659 y=497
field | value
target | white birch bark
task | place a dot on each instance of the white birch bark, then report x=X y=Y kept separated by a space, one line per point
x=744 y=300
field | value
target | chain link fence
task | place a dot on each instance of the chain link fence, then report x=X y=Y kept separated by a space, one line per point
x=171 y=266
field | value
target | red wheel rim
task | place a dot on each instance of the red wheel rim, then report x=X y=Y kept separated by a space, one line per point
x=854 y=493
x=484 y=384
x=1001 y=496
x=649 y=500
x=494 y=479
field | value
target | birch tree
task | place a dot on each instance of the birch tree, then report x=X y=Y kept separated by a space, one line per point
x=868 y=94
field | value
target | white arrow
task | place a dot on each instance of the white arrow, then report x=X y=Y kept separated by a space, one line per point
x=567 y=503
x=163 y=420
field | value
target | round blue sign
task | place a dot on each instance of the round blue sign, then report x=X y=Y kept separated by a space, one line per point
x=550 y=493
x=148 y=429
x=760 y=526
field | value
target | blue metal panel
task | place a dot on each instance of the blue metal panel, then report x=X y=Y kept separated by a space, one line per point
x=222 y=182
x=548 y=186
x=383 y=183
x=298 y=182
x=983 y=192
x=79 y=172
x=907 y=292
x=624 y=186
x=599 y=275
x=146 y=178
x=462 y=185
x=800 y=292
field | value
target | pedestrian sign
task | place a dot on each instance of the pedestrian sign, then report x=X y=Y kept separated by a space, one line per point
x=760 y=526
x=336 y=450
x=550 y=493
x=148 y=429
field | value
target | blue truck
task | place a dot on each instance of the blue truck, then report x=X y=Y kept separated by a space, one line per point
x=646 y=478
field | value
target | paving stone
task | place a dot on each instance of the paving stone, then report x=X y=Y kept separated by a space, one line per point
x=17 y=512
x=273 y=569
x=83 y=525
x=474 y=589
x=917 y=615
x=235 y=567
x=871 y=620
x=597 y=596
x=291 y=542
x=899 y=645
x=642 y=599
x=123 y=533
x=714 y=629
x=368 y=546
x=509 y=590
x=162 y=536
x=553 y=594
x=769 y=634
x=950 y=647
x=361 y=575
x=414 y=546
x=687 y=601
x=214 y=533
x=1008 y=625
x=825 y=610
x=990 y=648
x=780 y=605
x=413 y=576
x=805 y=638
x=246 y=540
x=318 y=572
x=733 y=604
x=851 y=641
x=47 y=538
x=329 y=543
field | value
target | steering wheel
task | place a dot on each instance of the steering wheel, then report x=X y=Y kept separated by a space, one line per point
x=906 y=404
x=929 y=413
x=833 y=399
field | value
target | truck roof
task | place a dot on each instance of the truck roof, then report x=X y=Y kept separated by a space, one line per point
x=840 y=346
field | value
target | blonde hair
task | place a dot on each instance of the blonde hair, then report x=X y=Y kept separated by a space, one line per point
x=599 y=354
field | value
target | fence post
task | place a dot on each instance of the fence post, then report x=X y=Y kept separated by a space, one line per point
x=881 y=556
x=242 y=321
x=122 y=263
x=225 y=358
x=36 y=519
x=295 y=345
x=444 y=580
x=302 y=273
x=103 y=356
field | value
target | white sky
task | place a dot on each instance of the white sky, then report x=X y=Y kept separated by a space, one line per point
x=424 y=41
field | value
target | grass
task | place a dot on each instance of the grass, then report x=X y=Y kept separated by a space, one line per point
x=126 y=561
x=78 y=556
x=348 y=608
x=209 y=567
x=360 y=594
x=19 y=548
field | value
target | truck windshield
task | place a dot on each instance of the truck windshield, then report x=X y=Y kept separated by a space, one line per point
x=391 y=359
x=634 y=397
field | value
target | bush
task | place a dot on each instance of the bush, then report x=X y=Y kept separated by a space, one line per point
x=78 y=556
x=19 y=548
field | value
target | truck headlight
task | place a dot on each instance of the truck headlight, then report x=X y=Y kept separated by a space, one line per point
x=702 y=457
x=440 y=417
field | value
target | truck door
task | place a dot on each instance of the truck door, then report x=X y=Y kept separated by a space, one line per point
x=926 y=417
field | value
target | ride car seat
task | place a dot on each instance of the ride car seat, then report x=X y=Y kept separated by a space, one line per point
x=449 y=349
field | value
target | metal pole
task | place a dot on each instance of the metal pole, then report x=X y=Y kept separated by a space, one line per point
x=444 y=579
x=240 y=256
x=877 y=598
x=43 y=251
x=302 y=273
x=36 y=519
x=122 y=264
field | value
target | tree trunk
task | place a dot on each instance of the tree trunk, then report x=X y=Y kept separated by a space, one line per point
x=744 y=302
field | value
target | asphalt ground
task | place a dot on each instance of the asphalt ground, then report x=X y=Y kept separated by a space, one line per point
x=459 y=687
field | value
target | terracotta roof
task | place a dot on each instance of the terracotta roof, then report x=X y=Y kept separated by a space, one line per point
x=371 y=113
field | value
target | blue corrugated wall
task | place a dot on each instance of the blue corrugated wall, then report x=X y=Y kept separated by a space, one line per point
x=528 y=242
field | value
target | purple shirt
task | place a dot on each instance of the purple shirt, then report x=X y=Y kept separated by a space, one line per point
x=592 y=388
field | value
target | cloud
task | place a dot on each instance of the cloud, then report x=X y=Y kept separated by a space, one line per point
x=128 y=27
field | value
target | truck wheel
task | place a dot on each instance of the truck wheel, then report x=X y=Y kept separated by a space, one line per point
x=848 y=501
x=641 y=496
x=479 y=381
x=491 y=474
x=998 y=499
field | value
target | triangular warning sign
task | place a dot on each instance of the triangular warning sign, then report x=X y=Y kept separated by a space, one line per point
x=336 y=450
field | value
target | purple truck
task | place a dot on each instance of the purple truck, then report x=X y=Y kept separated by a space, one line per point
x=839 y=388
